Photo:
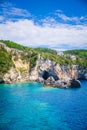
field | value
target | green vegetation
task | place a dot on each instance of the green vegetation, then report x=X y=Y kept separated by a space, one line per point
x=78 y=53
x=15 y=45
x=81 y=56
x=5 y=61
x=46 y=50
x=31 y=54
x=57 y=59
x=33 y=61
x=27 y=53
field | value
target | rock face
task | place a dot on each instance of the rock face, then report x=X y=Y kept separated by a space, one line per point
x=46 y=68
x=82 y=74
x=13 y=76
x=19 y=73
x=54 y=75
x=63 y=83
x=45 y=71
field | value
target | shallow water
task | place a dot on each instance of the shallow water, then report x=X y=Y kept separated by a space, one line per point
x=29 y=106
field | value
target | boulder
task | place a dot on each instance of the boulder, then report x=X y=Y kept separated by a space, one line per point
x=75 y=83
x=40 y=80
x=62 y=83
x=50 y=81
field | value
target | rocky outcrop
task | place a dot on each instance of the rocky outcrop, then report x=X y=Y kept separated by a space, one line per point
x=43 y=69
x=14 y=76
x=54 y=75
x=18 y=73
x=62 y=83
x=46 y=71
x=19 y=69
x=82 y=74
x=66 y=72
x=46 y=68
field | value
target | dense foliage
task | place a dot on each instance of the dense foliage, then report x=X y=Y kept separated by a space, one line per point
x=5 y=61
x=81 y=56
x=28 y=54
x=33 y=61
x=31 y=54
x=15 y=45
x=58 y=59
x=46 y=50
x=78 y=53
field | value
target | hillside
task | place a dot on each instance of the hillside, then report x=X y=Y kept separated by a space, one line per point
x=32 y=53
x=78 y=53
x=81 y=57
x=17 y=62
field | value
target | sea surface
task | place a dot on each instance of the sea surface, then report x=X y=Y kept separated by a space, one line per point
x=30 y=106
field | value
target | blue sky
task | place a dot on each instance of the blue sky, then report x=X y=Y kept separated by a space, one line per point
x=60 y=24
x=43 y=7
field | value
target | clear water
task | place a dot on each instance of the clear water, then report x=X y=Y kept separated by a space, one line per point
x=29 y=106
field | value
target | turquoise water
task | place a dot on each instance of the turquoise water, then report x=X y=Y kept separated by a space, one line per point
x=29 y=106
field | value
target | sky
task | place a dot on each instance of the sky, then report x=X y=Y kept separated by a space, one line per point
x=58 y=24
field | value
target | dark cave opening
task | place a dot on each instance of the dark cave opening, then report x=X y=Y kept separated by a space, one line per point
x=45 y=75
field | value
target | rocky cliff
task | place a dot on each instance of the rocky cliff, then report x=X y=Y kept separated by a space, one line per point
x=52 y=74
x=18 y=73
x=44 y=70
x=19 y=69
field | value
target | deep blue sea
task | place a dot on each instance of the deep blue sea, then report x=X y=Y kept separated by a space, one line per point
x=30 y=106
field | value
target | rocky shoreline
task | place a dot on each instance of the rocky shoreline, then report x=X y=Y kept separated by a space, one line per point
x=63 y=83
x=50 y=82
x=45 y=71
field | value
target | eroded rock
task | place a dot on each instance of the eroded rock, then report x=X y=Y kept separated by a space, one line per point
x=63 y=83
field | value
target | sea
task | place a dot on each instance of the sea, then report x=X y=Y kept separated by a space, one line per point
x=30 y=106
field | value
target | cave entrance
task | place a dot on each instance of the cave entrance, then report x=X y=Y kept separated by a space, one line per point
x=45 y=75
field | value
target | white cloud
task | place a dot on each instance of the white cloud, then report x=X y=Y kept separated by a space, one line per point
x=9 y=10
x=45 y=32
x=72 y=19
x=17 y=12
x=27 y=33
x=1 y=18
